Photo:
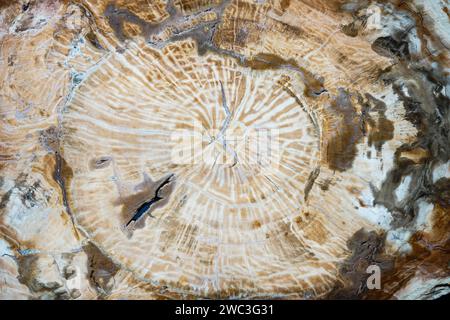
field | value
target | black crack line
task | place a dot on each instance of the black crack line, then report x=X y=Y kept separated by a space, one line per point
x=273 y=183
x=311 y=179
x=145 y=207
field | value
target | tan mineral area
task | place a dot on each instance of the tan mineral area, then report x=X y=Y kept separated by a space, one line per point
x=224 y=149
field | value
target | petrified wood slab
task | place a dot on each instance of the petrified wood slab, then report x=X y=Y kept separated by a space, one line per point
x=224 y=149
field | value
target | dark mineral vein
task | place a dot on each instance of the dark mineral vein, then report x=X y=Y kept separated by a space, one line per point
x=311 y=179
x=61 y=174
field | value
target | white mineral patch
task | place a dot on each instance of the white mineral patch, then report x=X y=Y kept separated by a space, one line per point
x=402 y=191
x=25 y=216
x=423 y=216
x=441 y=171
x=418 y=288
x=398 y=240
x=377 y=215
x=4 y=248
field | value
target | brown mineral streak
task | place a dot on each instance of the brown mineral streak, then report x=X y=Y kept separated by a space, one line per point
x=267 y=61
x=380 y=129
x=101 y=269
x=345 y=132
x=367 y=249
x=311 y=179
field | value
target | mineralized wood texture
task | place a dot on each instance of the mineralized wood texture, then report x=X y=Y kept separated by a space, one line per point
x=224 y=149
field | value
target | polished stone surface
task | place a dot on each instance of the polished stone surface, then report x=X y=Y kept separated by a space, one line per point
x=224 y=149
